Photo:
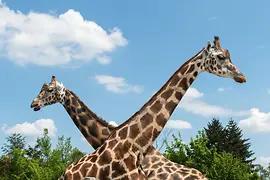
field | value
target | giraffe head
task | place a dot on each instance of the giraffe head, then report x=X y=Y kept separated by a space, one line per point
x=50 y=93
x=218 y=62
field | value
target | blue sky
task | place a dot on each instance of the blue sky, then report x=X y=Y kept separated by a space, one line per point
x=114 y=55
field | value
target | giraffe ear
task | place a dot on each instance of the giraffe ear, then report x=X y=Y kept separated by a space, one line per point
x=208 y=46
x=53 y=81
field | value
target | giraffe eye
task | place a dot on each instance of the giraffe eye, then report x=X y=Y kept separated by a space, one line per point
x=221 y=57
x=50 y=90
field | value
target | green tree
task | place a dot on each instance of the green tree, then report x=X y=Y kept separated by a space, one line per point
x=44 y=144
x=39 y=162
x=263 y=172
x=199 y=155
x=215 y=165
x=215 y=134
x=229 y=139
x=15 y=165
x=225 y=166
x=76 y=154
x=4 y=166
x=64 y=147
x=236 y=145
x=14 y=141
x=177 y=150
x=196 y=154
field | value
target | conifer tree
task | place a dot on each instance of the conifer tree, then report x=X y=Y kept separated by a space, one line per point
x=229 y=139
x=215 y=134
x=236 y=144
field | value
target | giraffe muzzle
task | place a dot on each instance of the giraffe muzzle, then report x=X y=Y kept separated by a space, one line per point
x=240 y=79
x=35 y=105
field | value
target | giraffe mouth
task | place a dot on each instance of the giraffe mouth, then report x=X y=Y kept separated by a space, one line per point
x=240 y=79
x=35 y=105
x=36 y=108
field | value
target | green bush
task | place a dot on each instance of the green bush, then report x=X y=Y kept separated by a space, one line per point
x=216 y=166
x=39 y=162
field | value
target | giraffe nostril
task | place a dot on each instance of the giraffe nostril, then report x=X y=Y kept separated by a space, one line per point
x=34 y=103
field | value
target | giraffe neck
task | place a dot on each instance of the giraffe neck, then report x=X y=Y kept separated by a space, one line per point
x=94 y=129
x=146 y=124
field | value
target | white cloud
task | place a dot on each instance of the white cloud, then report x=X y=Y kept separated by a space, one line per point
x=268 y=91
x=50 y=40
x=178 y=124
x=223 y=89
x=192 y=102
x=4 y=126
x=263 y=160
x=257 y=122
x=191 y=94
x=104 y=60
x=32 y=129
x=117 y=84
x=220 y=89
x=113 y=123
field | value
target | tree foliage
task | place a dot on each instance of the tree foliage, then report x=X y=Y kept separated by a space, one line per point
x=219 y=152
x=229 y=139
x=263 y=172
x=215 y=165
x=15 y=141
x=39 y=162
x=216 y=135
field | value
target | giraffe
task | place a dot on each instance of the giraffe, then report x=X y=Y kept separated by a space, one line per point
x=96 y=130
x=121 y=155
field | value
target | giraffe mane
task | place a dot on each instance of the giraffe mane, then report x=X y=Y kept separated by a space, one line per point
x=152 y=98
x=99 y=119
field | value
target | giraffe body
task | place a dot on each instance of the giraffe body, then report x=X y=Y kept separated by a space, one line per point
x=121 y=155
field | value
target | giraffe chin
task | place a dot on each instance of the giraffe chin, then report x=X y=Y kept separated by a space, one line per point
x=37 y=108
